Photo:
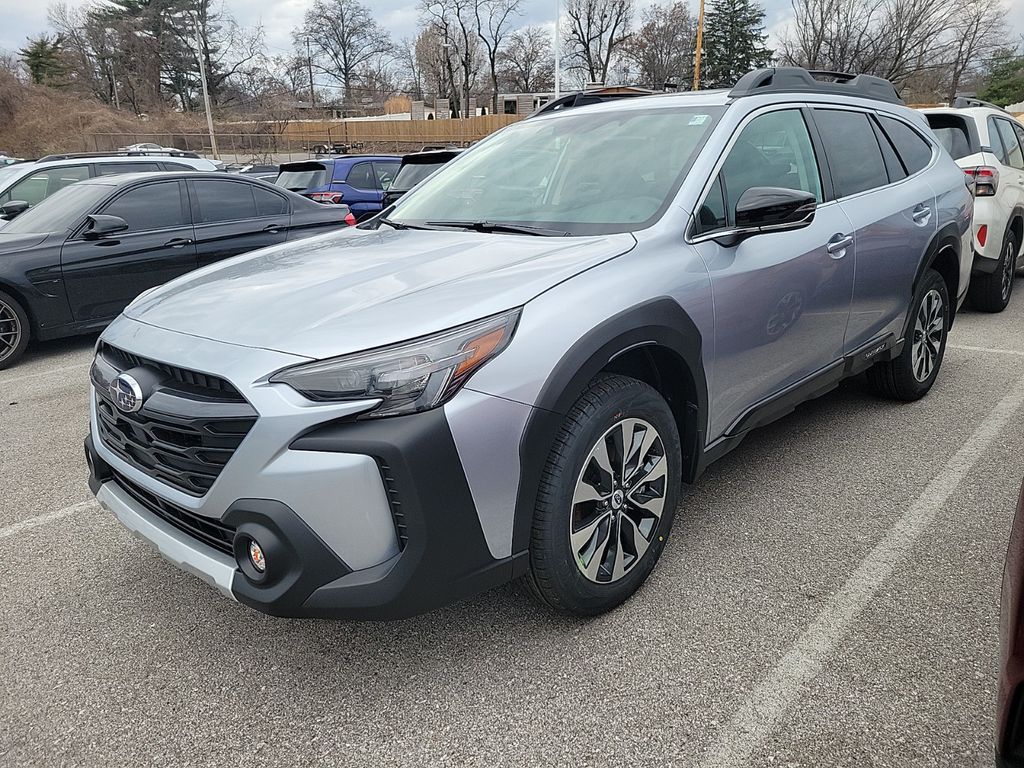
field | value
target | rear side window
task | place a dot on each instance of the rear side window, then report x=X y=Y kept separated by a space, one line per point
x=153 y=206
x=912 y=148
x=1014 y=156
x=269 y=203
x=223 y=201
x=952 y=133
x=854 y=156
x=108 y=169
x=361 y=176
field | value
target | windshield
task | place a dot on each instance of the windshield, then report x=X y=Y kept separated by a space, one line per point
x=595 y=173
x=411 y=175
x=301 y=179
x=59 y=211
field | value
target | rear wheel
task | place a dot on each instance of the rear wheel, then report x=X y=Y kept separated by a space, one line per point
x=607 y=498
x=14 y=331
x=991 y=293
x=911 y=375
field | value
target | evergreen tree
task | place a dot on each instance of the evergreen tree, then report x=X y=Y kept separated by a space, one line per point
x=42 y=58
x=1005 y=82
x=734 y=42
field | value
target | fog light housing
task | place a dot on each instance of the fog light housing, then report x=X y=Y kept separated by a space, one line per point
x=256 y=557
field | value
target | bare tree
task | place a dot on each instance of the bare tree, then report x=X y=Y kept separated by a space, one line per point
x=978 y=30
x=344 y=40
x=493 y=22
x=662 y=49
x=597 y=30
x=527 y=64
x=454 y=21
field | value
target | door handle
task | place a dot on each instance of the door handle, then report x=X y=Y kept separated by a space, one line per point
x=273 y=228
x=177 y=242
x=837 y=246
x=921 y=214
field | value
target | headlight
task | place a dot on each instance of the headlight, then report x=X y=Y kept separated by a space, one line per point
x=408 y=377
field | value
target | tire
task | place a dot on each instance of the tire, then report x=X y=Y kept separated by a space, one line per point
x=991 y=293
x=910 y=376
x=14 y=331
x=610 y=520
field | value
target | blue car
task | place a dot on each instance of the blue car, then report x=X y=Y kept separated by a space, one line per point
x=358 y=181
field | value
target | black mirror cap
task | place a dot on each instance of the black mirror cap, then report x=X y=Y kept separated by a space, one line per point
x=101 y=225
x=14 y=208
x=774 y=208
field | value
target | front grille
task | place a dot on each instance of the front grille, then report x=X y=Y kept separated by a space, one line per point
x=397 y=515
x=209 y=531
x=187 y=430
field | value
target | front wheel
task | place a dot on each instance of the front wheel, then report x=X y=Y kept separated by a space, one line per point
x=14 y=331
x=607 y=498
x=911 y=375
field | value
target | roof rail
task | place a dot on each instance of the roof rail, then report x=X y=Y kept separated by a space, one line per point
x=120 y=153
x=582 y=99
x=799 y=80
x=960 y=102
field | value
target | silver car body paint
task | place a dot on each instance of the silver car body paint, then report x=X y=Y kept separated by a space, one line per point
x=251 y=316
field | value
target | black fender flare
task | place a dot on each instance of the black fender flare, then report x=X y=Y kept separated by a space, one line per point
x=947 y=237
x=659 y=322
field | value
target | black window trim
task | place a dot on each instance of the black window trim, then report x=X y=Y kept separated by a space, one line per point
x=79 y=228
x=196 y=209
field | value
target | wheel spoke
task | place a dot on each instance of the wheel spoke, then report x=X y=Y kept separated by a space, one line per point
x=639 y=541
x=582 y=537
x=600 y=544
x=618 y=561
x=586 y=492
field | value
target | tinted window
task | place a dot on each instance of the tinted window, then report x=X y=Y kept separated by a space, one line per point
x=893 y=164
x=361 y=176
x=107 y=169
x=412 y=174
x=154 y=206
x=952 y=133
x=915 y=152
x=853 y=153
x=1014 y=156
x=299 y=178
x=42 y=184
x=223 y=201
x=773 y=150
x=997 y=143
x=268 y=203
x=385 y=173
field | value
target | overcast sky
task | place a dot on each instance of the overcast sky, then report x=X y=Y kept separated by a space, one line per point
x=22 y=18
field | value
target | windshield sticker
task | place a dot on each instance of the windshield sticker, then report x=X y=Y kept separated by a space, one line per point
x=699 y=119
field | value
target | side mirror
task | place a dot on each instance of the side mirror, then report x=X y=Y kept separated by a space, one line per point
x=9 y=210
x=769 y=209
x=100 y=226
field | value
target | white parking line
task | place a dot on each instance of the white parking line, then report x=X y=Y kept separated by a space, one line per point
x=49 y=517
x=988 y=350
x=760 y=714
x=48 y=372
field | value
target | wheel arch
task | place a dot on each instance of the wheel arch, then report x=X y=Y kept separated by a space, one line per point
x=942 y=255
x=18 y=295
x=656 y=342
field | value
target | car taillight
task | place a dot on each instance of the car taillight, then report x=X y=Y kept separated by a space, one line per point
x=331 y=198
x=985 y=178
x=350 y=219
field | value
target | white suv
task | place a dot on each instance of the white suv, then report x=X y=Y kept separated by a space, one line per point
x=988 y=143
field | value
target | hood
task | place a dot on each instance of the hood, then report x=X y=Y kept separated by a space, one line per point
x=355 y=290
x=10 y=243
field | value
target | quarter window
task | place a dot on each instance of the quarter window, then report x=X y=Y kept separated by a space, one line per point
x=39 y=186
x=913 y=150
x=361 y=176
x=854 y=156
x=153 y=206
x=223 y=201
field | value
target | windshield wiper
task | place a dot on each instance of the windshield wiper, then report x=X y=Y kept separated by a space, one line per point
x=397 y=224
x=497 y=226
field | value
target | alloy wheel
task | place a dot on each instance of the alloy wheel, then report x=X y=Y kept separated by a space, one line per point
x=929 y=328
x=10 y=331
x=618 y=501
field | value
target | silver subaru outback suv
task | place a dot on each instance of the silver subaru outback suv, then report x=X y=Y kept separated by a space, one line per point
x=513 y=371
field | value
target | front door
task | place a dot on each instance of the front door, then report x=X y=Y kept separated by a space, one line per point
x=781 y=299
x=103 y=276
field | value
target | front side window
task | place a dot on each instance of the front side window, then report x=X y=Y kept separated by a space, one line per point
x=40 y=185
x=1014 y=156
x=913 y=150
x=854 y=156
x=772 y=150
x=153 y=206
x=597 y=173
x=223 y=201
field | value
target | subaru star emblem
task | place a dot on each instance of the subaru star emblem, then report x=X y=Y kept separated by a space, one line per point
x=126 y=393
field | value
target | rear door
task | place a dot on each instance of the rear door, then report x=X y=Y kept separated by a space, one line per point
x=234 y=217
x=893 y=214
x=103 y=276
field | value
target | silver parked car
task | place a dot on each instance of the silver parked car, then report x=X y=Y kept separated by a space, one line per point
x=513 y=372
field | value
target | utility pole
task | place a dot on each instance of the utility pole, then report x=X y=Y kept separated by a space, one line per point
x=206 y=92
x=700 y=45
x=558 y=48
x=309 y=64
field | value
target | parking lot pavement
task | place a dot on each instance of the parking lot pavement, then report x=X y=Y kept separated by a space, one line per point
x=829 y=596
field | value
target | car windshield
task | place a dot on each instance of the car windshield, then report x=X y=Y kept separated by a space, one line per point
x=59 y=211
x=589 y=173
x=302 y=178
x=412 y=174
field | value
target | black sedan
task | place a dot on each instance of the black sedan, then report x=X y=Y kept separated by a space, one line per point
x=72 y=263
